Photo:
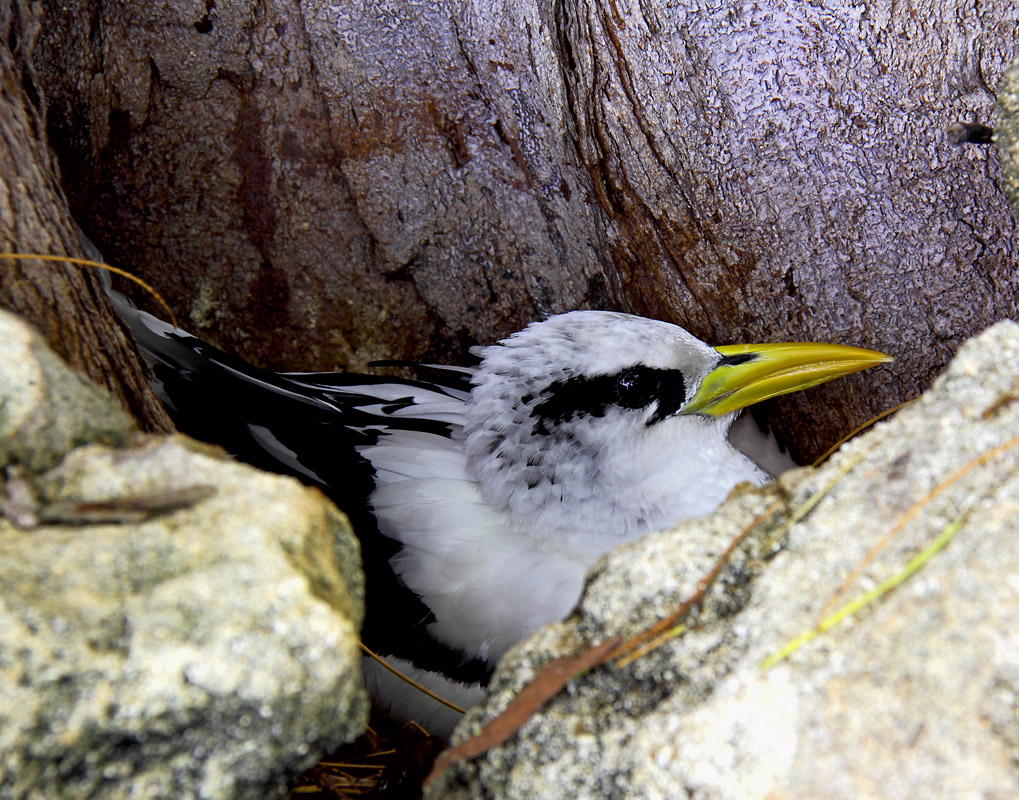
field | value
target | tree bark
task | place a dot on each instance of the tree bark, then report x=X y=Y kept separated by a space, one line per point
x=316 y=185
x=66 y=304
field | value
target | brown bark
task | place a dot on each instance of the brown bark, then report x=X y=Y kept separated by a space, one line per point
x=319 y=184
x=67 y=305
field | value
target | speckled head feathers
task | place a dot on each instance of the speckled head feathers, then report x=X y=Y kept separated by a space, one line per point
x=578 y=408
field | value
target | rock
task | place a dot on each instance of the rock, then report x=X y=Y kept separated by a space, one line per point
x=1006 y=132
x=916 y=694
x=48 y=408
x=190 y=631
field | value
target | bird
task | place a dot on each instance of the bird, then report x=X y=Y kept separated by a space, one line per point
x=483 y=494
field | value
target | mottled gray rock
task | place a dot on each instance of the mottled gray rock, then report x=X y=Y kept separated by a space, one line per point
x=202 y=653
x=190 y=631
x=1006 y=132
x=914 y=695
x=46 y=408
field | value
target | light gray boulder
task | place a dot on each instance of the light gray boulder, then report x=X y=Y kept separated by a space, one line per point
x=173 y=624
x=916 y=694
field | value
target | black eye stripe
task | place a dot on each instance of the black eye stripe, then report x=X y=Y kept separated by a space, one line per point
x=634 y=387
x=566 y=399
x=671 y=394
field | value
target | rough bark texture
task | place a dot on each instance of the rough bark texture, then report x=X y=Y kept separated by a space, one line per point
x=318 y=184
x=67 y=305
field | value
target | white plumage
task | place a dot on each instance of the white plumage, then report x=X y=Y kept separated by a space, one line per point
x=500 y=524
x=576 y=434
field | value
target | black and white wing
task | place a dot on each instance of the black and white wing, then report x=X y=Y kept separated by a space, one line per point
x=317 y=427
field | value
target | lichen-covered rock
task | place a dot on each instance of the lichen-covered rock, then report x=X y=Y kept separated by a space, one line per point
x=201 y=653
x=916 y=694
x=173 y=624
x=46 y=408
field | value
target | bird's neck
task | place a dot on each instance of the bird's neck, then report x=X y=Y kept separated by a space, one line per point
x=628 y=487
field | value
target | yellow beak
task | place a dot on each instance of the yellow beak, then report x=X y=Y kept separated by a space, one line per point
x=750 y=373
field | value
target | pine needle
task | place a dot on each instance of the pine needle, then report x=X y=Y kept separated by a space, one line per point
x=84 y=262
x=653 y=644
x=406 y=678
x=858 y=429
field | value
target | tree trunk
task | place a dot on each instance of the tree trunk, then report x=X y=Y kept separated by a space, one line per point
x=67 y=305
x=317 y=184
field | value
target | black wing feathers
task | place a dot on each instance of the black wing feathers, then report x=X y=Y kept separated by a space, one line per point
x=308 y=425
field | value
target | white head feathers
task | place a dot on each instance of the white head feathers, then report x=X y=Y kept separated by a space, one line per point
x=573 y=428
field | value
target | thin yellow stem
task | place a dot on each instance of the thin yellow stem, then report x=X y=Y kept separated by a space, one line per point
x=866 y=598
x=910 y=514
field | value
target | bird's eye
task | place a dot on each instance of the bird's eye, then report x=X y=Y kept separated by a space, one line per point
x=636 y=387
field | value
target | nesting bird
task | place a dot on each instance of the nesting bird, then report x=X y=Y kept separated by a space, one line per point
x=483 y=494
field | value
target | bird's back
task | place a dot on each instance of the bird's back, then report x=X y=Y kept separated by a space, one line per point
x=317 y=427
